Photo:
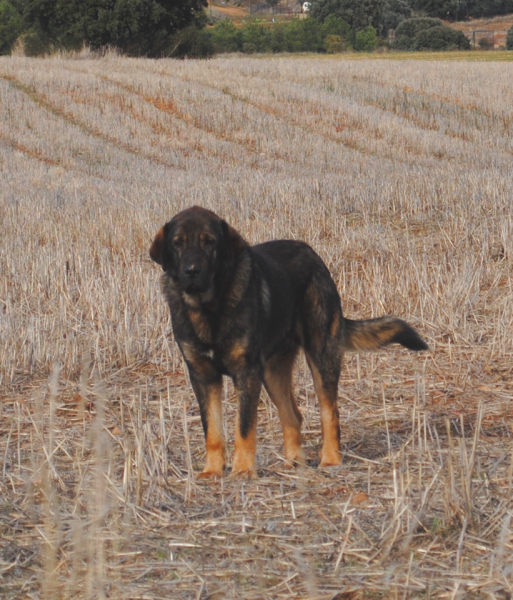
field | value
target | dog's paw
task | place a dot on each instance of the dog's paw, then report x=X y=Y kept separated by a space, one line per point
x=243 y=474
x=295 y=460
x=210 y=475
x=331 y=459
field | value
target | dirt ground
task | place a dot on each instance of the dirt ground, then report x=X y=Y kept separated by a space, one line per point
x=494 y=30
x=230 y=12
x=399 y=173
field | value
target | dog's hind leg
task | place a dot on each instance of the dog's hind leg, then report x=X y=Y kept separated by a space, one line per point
x=247 y=385
x=278 y=383
x=322 y=317
x=325 y=380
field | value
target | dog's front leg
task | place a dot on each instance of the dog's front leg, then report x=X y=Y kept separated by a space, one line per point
x=209 y=396
x=247 y=386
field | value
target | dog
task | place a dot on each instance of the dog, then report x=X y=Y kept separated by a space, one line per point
x=245 y=311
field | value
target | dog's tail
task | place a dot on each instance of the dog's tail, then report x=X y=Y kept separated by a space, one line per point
x=372 y=334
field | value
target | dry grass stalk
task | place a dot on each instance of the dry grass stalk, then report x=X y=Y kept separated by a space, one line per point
x=399 y=174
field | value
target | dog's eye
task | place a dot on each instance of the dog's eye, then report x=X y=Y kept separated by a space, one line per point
x=178 y=243
x=209 y=242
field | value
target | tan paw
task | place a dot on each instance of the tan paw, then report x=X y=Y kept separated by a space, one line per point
x=330 y=459
x=243 y=474
x=210 y=474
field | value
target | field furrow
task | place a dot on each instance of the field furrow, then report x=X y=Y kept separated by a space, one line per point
x=400 y=174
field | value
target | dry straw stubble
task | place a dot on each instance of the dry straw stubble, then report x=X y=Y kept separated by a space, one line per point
x=399 y=174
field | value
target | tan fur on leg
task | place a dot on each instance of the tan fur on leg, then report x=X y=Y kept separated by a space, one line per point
x=216 y=453
x=278 y=383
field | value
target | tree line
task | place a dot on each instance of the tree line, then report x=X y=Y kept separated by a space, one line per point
x=156 y=28
x=134 y=27
x=384 y=15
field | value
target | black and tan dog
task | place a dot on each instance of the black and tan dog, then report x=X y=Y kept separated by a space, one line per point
x=244 y=311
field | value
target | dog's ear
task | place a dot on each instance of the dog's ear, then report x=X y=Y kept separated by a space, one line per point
x=160 y=251
x=233 y=243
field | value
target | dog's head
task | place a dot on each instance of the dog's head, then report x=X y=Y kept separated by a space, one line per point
x=194 y=247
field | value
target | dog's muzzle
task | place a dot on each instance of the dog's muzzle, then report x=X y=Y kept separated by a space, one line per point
x=194 y=275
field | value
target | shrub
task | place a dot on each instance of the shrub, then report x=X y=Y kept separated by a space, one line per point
x=366 y=40
x=509 y=39
x=428 y=34
x=303 y=35
x=256 y=38
x=34 y=43
x=484 y=44
x=441 y=38
x=336 y=26
x=226 y=37
x=334 y=44
x=191 y=42
x=298 y=35
x=278 y=37
x=407 y=30
x=249 y=48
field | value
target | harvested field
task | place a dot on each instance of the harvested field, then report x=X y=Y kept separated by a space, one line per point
x=400 y=174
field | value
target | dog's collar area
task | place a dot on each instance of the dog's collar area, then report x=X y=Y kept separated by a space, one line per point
x=196 y=300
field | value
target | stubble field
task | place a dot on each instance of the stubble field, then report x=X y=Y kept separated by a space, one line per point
x=400 y=174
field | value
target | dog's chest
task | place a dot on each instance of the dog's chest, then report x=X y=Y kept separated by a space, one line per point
x=201 y=326
x=225 y=348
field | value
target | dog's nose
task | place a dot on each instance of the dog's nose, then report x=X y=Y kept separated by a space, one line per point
x=192 y=270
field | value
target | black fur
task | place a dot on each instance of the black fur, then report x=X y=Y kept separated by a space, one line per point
x=244 y=312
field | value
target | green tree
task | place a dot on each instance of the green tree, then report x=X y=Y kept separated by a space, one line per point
x=359 y=14
x=490 y=8
x=256 y=38
x=136 y=27
x=441 y=38
x=366 y=40
x=394 y=12
x=302 y=35
x=335 y=26
x=10 y=26
x=457 y=10
x=278 y=37
x=509 y=39
x=407 y=30
x=428 y=34
x=298 y=35
x=443 y=9
x=192 y=42
x=226 y=37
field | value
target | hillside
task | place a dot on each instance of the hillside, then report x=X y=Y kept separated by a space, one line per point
x=243 y=10
x=494 y=30
x=227 y=11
